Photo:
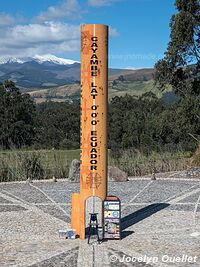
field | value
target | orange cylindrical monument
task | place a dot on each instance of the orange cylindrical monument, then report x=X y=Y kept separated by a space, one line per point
x=94 y=109
x=94 y=76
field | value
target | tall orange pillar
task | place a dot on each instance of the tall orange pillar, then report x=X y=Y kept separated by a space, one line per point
x=94 y=109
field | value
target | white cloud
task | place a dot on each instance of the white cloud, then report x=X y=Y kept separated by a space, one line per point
x=67 y=9
x=113 y=32
x=50 y=31
x=135 y=68
x=20 y=38
x=100 y=3
x=31 y=39
x=48 y=37
x=6 y=19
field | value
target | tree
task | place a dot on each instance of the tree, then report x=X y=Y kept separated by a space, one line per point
x=17 y=113
x=181 y=65
x=178 y=125
x=130 y=121
x=58 y=125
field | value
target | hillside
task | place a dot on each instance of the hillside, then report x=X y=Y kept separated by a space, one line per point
x=49 y=77
x=49 y=71
x=116 y=88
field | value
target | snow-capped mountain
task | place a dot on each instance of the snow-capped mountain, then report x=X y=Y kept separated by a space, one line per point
x=54 y=59
x=39 y=71
x=5 y=60
x=45 y=71
x=39 y=59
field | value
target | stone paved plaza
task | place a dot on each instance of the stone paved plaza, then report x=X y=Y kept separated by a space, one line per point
x=160 y=225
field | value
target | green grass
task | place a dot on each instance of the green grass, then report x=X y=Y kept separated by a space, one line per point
x=18 y=164
x=44 y=164
x=50 y=155
x=134 y=88
x=138 y=164
x=60 y=155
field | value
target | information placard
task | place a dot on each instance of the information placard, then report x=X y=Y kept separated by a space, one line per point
x=112 y=217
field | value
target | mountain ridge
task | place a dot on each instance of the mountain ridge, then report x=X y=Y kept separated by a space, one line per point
x=51 y=71
x=52 y=78
x=38 y=58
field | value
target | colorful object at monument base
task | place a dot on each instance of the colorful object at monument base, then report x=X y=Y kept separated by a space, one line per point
x=94 y=104
x=112 y=217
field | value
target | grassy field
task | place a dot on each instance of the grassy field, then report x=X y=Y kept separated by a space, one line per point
x=138 y=164
x=134 y=88
x=50 y=157
x=119 y=88
x=45 y=164
x=38 y=164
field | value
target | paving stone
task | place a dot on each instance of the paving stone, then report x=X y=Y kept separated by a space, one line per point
x=3 y=200
x=59 y=196
x=67 y=259
x=184 y=207
x=54 y=211
x=26 y=193
x=152 y=227
x=193 y=198
x=126 y=191
x=10 y=208
x=160 y=190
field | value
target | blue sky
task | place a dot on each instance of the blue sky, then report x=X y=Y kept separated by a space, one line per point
x=139 y=29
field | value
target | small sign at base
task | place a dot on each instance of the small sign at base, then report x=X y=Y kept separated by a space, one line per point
x=62 y=234
x=67 y=234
